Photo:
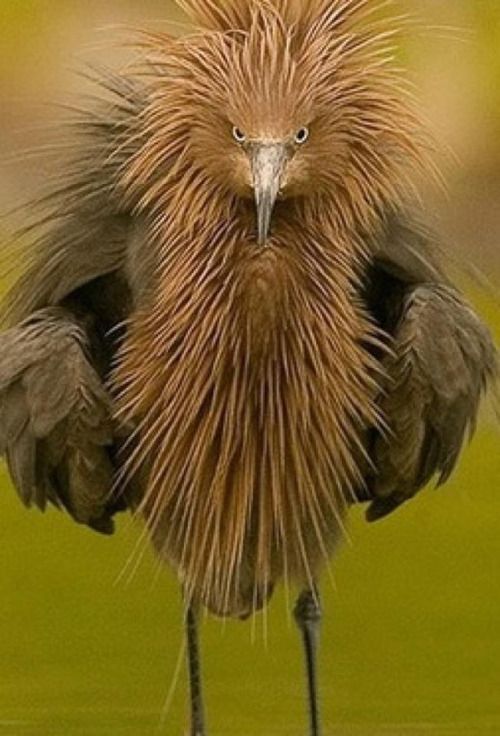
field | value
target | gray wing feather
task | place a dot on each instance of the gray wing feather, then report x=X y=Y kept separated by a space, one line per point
x=56 y=418
x=82 y=226
x=443 y=359
x=406 y=249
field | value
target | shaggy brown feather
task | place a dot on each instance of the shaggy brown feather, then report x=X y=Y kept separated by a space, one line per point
x=248 y=372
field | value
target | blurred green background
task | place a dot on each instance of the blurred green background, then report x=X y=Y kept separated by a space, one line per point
x=411 y=641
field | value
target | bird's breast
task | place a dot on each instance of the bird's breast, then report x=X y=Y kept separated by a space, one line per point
x=251 y=394
x=263 y=306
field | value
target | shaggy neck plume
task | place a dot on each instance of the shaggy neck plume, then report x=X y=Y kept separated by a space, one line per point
x=248 y=372
x=248 y=376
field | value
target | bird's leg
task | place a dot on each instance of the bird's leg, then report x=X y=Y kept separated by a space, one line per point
x=308 y=616
x=194 y=669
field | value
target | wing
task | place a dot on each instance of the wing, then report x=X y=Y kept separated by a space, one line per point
x=83 y=227
x=56 y=429
x=78 y=287
x=406 y=250
x=443 y=359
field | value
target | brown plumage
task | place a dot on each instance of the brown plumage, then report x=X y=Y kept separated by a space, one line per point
x=249 y=370
x=267 y=372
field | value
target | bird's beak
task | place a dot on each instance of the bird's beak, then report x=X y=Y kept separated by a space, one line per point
x=268 y=161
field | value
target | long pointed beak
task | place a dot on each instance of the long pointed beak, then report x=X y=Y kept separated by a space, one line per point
x=268 y=161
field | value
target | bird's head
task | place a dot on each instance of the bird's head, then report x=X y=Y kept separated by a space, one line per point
x=282 y=100
x=269 y=166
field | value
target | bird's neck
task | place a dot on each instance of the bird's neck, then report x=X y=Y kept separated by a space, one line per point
x=250 y=383
x=223 y=307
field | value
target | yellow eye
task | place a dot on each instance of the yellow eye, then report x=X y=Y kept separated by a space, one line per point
x=239 y=135
x=301 y=136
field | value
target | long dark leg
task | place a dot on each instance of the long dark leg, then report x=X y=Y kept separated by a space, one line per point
x=194 y=669
x=308 y=616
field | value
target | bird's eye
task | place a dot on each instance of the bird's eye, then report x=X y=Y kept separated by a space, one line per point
x=239 y=135
x=301 y=136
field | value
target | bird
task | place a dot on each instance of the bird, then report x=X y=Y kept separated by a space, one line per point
x=233 y=320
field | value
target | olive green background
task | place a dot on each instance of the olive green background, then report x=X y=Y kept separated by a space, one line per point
x=89 y=642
